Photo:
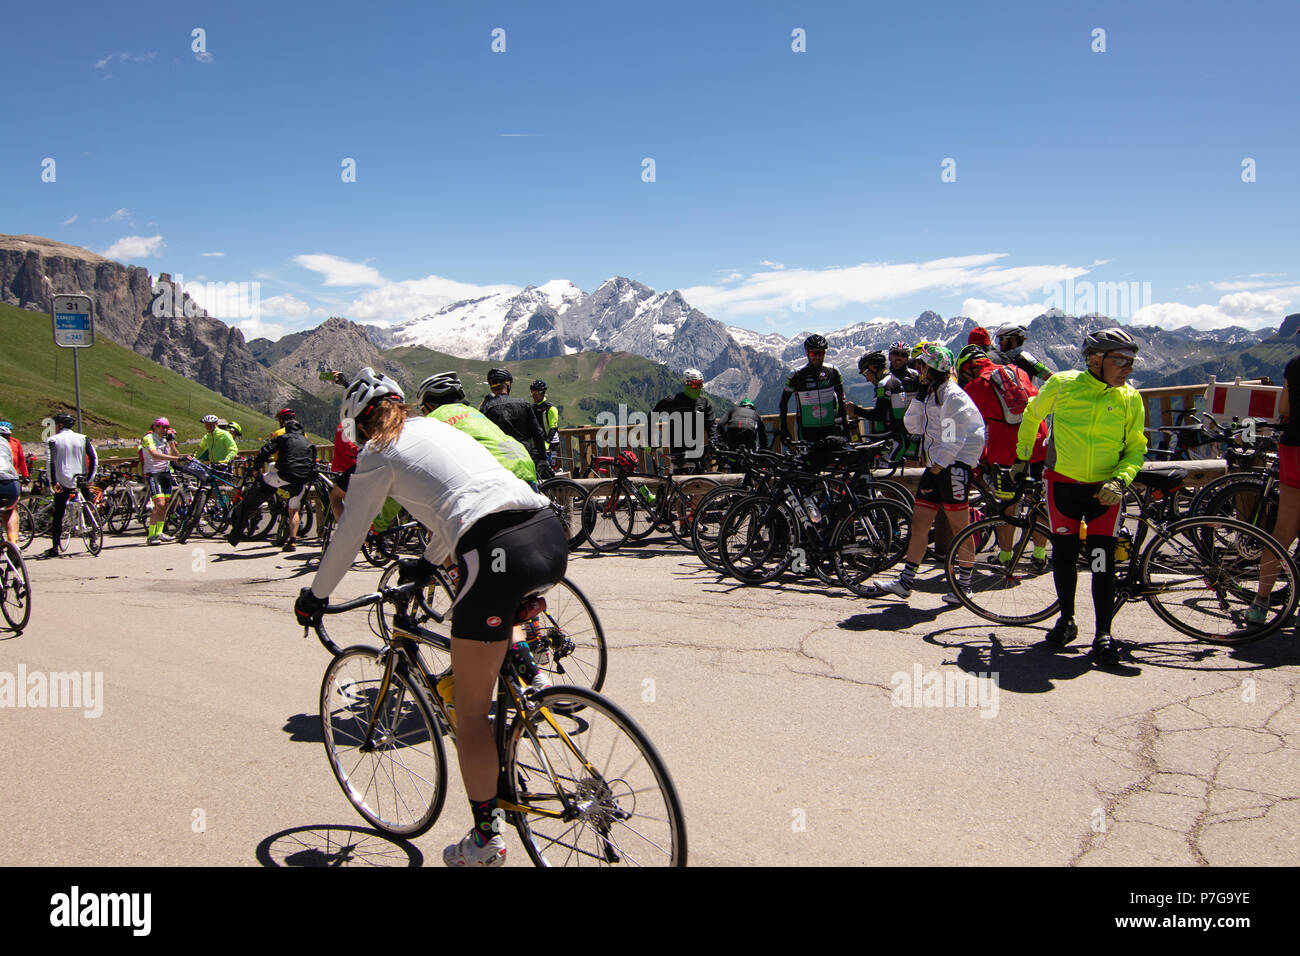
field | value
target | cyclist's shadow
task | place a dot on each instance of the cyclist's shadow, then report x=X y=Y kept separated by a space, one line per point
x=1020 y=669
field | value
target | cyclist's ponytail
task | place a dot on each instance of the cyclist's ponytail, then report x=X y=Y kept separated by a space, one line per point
x=383 y=424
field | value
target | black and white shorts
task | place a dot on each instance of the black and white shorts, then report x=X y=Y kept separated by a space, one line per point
x=949 y=490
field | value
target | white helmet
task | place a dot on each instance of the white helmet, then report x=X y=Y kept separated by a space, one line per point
x=209 y=420
x=692 y=375
x=367 y=388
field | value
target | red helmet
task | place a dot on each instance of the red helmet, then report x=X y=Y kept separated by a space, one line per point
x=629 y=460
x=284 y=413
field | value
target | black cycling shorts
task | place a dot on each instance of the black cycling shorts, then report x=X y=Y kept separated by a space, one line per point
x=10 y=492
x=502 y=559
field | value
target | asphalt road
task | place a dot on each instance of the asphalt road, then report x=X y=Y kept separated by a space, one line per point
x=778 y=710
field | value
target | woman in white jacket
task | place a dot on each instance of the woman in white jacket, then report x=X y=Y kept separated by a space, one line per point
x=952 y=439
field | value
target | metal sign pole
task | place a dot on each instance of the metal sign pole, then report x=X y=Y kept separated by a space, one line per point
x=76 y=378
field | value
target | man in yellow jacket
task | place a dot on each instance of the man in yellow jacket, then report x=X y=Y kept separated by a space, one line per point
x=1097 y=446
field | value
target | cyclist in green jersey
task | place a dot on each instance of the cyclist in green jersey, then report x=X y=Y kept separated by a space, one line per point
x=442 y=397
x=218 y=446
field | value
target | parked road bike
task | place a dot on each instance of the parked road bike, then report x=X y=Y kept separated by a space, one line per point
x=632 y=505
x=567 y=499
x=579 y=780
x=1198 y=574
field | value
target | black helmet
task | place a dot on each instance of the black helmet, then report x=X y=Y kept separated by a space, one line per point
x=441 y=389
x=498 y=375
x=814 y=341
x=1108 y=340
x=66 y=419
x=970 y=353
x=872 y=360
x=537 y=386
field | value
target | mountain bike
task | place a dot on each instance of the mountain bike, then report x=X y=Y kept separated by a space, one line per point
x=579 y=780
x=1198 y=574
x=209 y=512
x=15 y=587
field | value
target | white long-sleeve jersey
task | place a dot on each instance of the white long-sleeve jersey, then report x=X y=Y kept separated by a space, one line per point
x=442 y=476
x=952 y=430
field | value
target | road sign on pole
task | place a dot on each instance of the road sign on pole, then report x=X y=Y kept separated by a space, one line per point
x=74 y=328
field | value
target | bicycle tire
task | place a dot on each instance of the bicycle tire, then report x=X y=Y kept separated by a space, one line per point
x=15 y=588
x=92 y=530
x=634 y=818
x=1011 y=593
x=884 y=488
x=119 y=512
x=707 y=522
x=761 y=533
x=26 y=525
x=567 y=498
x=193 y=517
x=685 y=500
x=1212 y=487
x=646 y=516
x=1219 y=553
x=604 y=531
x=870 y=539
x=400 y=795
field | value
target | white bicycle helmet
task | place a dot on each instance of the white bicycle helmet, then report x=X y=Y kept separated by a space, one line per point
x=209 y=420
x=367 y=388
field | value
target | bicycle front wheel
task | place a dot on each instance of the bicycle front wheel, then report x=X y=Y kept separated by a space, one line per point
x=1202 y=575
x=684 y=504
x=567 y=640
x=26 y=524
x=872 y=538
x=707 y=522
x=396 y=780
x=1011 y=592
x=567 y=498
x=15 y=587
x=757 y=539
x=594 y=789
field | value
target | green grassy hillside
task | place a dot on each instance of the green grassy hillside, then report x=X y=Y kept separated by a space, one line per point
x=121 y=392
x=581 y=386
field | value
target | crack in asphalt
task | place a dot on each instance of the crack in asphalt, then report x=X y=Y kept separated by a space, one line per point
x=1144 y=743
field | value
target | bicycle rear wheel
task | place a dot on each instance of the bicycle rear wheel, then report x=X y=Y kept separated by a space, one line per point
x=399 y=781
x=607 y=517
x=567 y=640
x=92 y=529
x=118 y=510
x=15 y=587
x=596 y=790
x=1203 y=575
x=26 y=525
x=681 y=508
x=1005 y=593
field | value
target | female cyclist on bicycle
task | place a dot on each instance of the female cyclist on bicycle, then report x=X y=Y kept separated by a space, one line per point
x=507 y=542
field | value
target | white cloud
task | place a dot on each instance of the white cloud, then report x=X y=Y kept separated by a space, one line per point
x=68 y=222
x=124 y=58
x=1251 y=310
x=399 y=301
x=772 y=265
x=339 y=271
x=135 y=247
x=256 y=328
x=212 y=253
x=1246 y=284
x=836 y=288
x=289 y=307
x=120 y=215
x=992 y=314
x=204 y=57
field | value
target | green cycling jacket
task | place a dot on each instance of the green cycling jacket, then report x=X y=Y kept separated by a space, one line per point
x=509 y=453
x=1097 y=430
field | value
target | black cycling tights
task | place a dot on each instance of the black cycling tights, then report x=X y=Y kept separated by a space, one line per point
x=1065 y=572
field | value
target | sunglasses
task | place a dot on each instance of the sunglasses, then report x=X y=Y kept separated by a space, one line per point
x=1120 y=361
x=817 y=352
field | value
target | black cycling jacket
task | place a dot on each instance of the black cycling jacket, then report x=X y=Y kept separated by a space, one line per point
x=516 y=418
x=295 y=455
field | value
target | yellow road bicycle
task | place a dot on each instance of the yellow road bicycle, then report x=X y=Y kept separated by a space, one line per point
x=579 y=780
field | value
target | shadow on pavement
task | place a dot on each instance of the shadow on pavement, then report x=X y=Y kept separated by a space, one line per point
x=1020 y=668
x=304 y=728
x=336 y=846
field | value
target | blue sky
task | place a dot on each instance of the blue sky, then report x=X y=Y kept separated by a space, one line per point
x=781 y=178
